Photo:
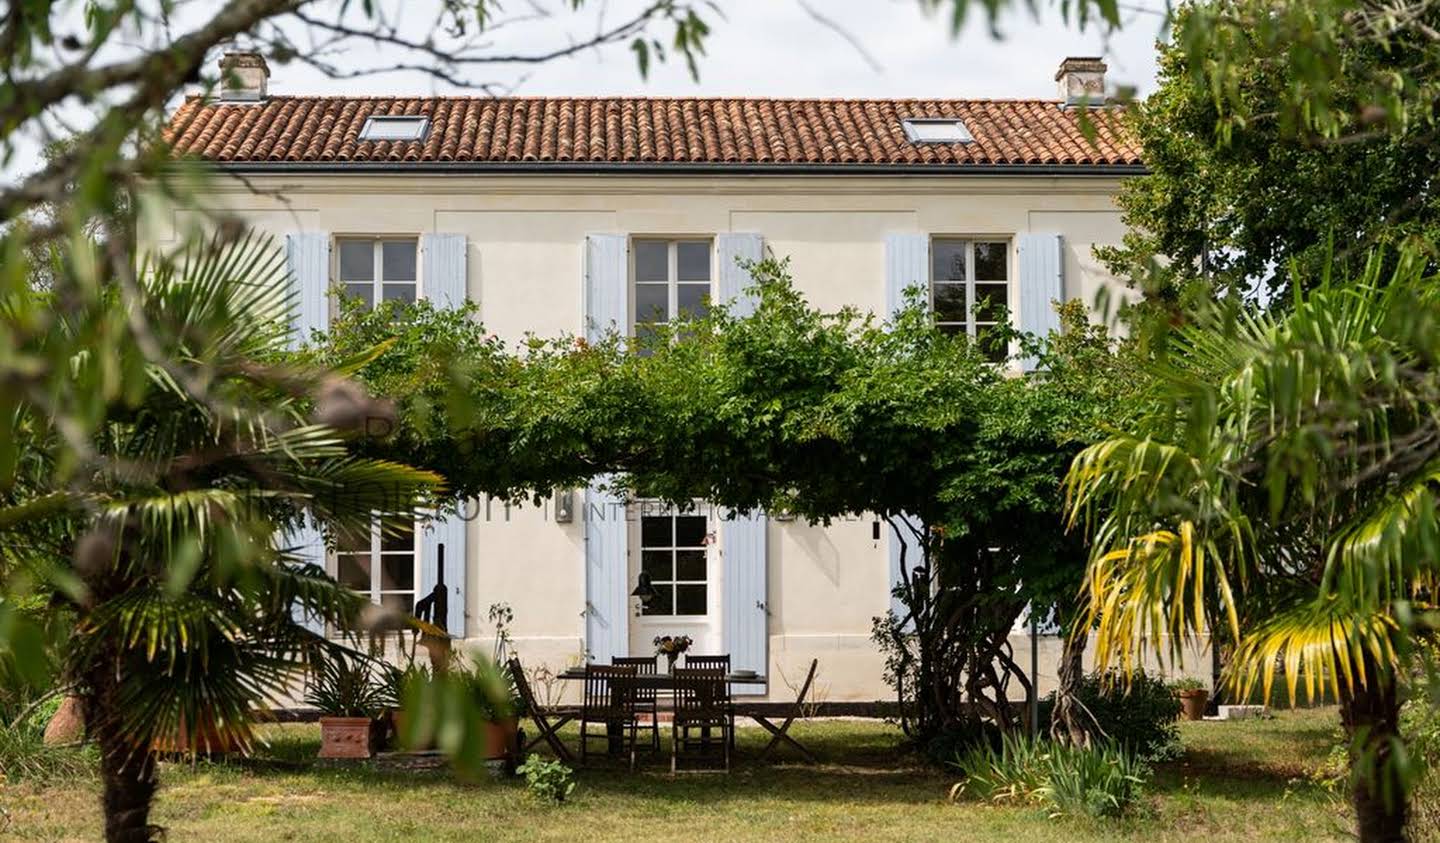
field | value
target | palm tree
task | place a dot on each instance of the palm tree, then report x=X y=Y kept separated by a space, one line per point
x=1281 y=487
x=158 y=539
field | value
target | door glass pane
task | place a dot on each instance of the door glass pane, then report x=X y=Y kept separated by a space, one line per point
x=989 y=300
x=662 y=604
x=652 y=260
x=655 y=531
x=397 y=260
x=397 y=571
x=947 y=260
x=364 y=292
x=990 y=261
x=651 y=303
x=353 y=571
x=690 y=530
x=949 y=302
x=689 y=599
x=693 y=299
x=656 y=563
x=399 y=292
x=690 y=565
x=357 y=260
x=692 y=261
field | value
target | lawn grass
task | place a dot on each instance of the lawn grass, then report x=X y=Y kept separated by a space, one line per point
x=1245 y=781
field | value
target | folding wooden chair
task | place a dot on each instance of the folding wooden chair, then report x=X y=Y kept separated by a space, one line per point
x=609 y=701
x=722 y=664
x=545 y=729
x=647 y=698
x=798 y=711
x=701 y=703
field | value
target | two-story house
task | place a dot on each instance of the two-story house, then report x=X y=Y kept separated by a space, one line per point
x=571 y=215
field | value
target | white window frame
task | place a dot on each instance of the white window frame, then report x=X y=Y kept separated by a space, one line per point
x=672 y=276
x=374 y=125
x=377 y=280
x=971 y=324
x=919 y=130
x=654 y=509
x=377 y=554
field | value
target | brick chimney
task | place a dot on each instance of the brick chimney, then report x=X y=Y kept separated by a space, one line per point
x=243 y=76
x=1082 y=81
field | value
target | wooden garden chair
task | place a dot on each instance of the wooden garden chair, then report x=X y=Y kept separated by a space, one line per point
x=546 y=730
x=609 y=701
x=647 y=698
x=782 y=732
x=701 y=704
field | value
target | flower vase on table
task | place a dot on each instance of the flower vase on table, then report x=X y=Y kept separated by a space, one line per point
x=671 y=647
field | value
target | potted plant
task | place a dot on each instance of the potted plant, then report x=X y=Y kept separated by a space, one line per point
x=349 y=698
x=396 y=681
x=671 y=646
x=1193 y=696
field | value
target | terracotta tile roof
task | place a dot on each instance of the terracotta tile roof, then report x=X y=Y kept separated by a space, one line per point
x=644 y=131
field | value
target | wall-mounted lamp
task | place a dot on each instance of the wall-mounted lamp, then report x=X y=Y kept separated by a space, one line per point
x=644 y=590
x=564 y=506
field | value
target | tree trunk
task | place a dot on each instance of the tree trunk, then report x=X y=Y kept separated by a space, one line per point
x=1371 y=716
x=127 y=765
x=1070 y=723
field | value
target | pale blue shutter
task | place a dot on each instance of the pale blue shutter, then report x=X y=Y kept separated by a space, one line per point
x=907 y=263
x=607 y=587
x=1040 y=269
x=607 y=285
x=442 y=269
x=914 y=557
x=607 y=592
x=735 y=281
x=308 y=256
x=744 y=627
x=442 y=560
x=444 y=551
x=308 y=546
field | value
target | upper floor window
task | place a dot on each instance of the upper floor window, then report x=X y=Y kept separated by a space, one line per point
x=671 y=277
x=376 y=270
x=673 y=553
x=379 y=565
x=969 y=286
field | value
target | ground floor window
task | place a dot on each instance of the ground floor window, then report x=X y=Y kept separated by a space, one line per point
x=673 y=547
x=380 y=565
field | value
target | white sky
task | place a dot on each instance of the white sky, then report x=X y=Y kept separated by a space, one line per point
x=759 y=48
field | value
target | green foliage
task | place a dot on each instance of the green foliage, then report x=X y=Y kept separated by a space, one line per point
x=547 y=781
x=1139 y=712
x=25 y=757
x=1104 y=781
x=450 y=710
x=342 y=686
x=1188 y=683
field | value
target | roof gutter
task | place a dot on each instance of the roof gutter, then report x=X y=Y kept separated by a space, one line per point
x=614 y=168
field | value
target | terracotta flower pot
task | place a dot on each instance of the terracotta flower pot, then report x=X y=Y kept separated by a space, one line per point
x=1193 y=703
x=399 y=721
x=346 y=737
x=210 y=739
x=500 y=739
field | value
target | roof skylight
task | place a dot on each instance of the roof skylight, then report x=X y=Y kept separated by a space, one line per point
x=936 y=130
x=394 y=128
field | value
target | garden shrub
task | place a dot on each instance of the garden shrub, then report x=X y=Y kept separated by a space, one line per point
x=1139 y=713
x=1106 y=780
x=548 y=781
x=24 y=756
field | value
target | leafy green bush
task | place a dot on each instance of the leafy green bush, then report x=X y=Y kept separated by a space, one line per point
x=347 y=687
x=548 y=781
x=1139 y=713
x=1102 y=781
x=24 y=755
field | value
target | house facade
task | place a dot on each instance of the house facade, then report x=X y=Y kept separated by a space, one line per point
x=571 y=216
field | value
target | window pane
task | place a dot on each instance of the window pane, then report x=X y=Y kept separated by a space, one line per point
x=655 y=531
x=397 y=260
x=399 y=602
x=690 y=530
x=989 y=300
x=357 y=260
x=652 y=260
x=692 y=261
x=689 y=599
x=949 y=302
x=693 y=299
x=947 y=260
x=952 y=328
x=657 y=563
x=353 y=571
x=397 y=571
x=663 y=603
x=399 y=292
x=357 y=540
x=690 y=565
x=652 y=303
x=363 y=292
x=995 y=352
x=990 y=261
x=401 y=539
